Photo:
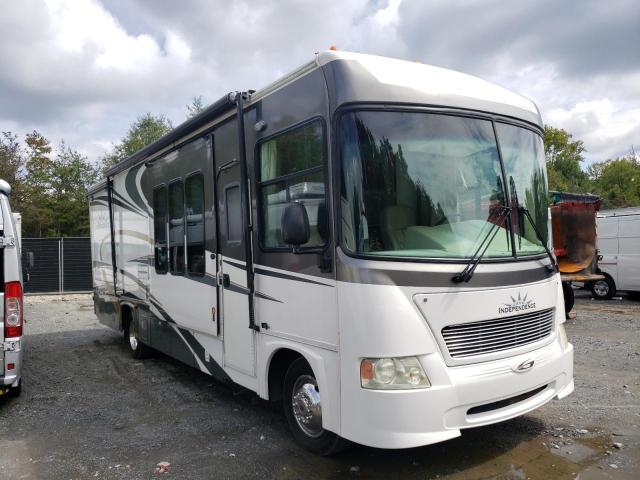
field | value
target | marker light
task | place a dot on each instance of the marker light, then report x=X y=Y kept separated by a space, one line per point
x=392 y=374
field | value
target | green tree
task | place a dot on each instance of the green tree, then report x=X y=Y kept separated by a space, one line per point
x=195 y=107
x=144 y=131
x=38 y=211
x=617 y=181
x=72 y=174
x=564 y=158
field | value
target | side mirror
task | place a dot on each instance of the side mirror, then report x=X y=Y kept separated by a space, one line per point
x=30 y=260
x=295 y=225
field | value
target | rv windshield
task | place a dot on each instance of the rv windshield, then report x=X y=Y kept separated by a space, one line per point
x=430 y=185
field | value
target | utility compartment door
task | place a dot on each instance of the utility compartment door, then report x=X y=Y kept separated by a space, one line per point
x=239 y=339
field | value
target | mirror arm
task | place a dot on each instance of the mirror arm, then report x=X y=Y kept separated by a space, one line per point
x=324 y=262
x=299 y=251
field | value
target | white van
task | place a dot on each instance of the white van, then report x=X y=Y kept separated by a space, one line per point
x=619 y=246
x=11 y=302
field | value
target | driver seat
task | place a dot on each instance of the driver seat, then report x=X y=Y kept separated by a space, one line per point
x=394 y=221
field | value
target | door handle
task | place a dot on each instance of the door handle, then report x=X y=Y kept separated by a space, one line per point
x=226 y=281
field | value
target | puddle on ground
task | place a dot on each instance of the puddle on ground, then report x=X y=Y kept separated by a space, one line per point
x=483 y=453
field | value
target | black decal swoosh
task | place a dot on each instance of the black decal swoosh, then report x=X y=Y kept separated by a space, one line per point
x=270 y=273
x=196 y=347
x=132 y=188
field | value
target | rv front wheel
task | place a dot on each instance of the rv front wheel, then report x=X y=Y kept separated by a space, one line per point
x=303 y=410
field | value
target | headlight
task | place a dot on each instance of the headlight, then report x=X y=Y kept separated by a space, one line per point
x=392 y=374
x=562 y=333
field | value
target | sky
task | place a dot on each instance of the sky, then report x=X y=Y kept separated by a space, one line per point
x=84 y=70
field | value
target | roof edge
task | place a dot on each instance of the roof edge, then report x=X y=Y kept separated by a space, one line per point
x=212 y=111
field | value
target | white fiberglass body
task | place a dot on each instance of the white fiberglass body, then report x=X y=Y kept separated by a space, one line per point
x=414 y=295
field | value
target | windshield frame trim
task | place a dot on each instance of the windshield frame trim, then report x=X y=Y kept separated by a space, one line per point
x=421 y=108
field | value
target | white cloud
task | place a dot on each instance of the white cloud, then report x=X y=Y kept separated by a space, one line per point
x=603 y=125
x=388 y=15
x=177 y=47
x=84 y=69
x=84 y=27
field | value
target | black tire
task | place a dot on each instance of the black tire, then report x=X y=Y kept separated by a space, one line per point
x=569 y=297
x=137 y=349
x=14 y=392
x=321 y=441
x=603 y=289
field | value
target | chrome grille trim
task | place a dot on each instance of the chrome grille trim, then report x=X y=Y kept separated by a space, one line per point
x=498 y=334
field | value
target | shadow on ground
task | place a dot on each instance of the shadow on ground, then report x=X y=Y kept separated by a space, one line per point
x=88 y=407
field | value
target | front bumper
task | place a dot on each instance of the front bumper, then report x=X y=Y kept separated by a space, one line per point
x=494 y=390
x=10 y=354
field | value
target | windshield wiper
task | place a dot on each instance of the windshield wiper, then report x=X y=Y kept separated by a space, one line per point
x=525 y=211
x=466 y=274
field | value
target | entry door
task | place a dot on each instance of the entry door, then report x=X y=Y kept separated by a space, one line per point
x=239 y=339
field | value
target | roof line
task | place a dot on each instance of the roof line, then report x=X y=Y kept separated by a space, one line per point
x=214 y=110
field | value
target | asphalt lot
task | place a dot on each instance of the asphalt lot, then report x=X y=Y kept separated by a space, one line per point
x=90 y=411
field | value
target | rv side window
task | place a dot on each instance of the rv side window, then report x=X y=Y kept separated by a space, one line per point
x=233 y=212
x=176 y=227
x=194 y=210
x=160 y=251
x=292 y=170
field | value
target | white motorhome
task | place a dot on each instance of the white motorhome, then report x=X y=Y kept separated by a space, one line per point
x=11 y=297
x=619 y=248
x=364 y=240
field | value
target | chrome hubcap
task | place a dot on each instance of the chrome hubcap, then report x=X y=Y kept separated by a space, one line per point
x=601 y=288
x=307 y=409
x=133 y=341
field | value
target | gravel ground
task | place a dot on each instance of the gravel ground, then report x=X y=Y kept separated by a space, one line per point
x=89 y=411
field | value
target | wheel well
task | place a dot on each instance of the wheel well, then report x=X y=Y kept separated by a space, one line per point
x=126 y=315
x=607 y=276
x=277 y=370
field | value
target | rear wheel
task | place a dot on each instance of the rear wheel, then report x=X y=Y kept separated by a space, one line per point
x=603 y=289
x=303 y=410
x=14 y=392
x=569 y=297
x=137 y=349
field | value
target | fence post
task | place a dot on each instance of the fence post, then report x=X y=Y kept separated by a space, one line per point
x=59 y=264
x=62 y=265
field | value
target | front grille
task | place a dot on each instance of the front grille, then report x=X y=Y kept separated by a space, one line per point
x=489 y=336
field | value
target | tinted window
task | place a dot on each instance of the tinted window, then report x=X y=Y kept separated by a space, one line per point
x=421 y=185
x=526 y=172
x=233 y=214
x=160 y=251
x=194 y=210
x=291 y=152
x=292 y=170
x=176 y=227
